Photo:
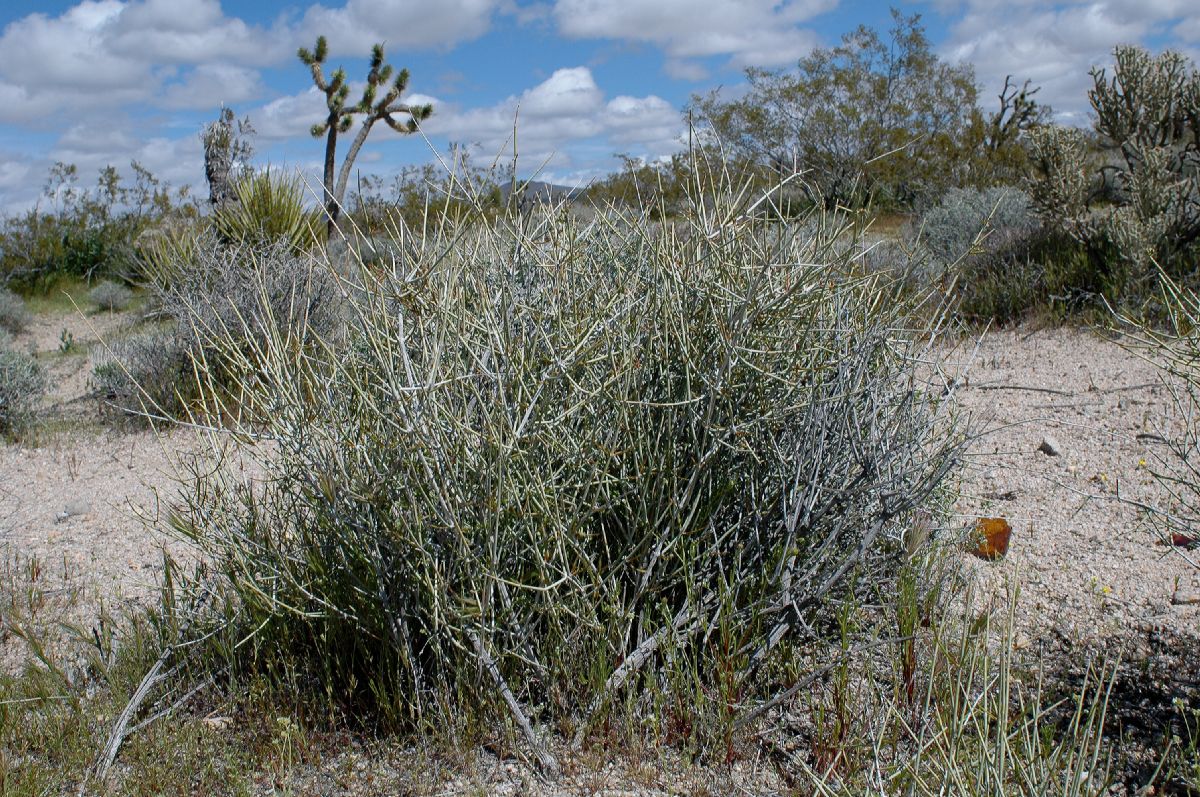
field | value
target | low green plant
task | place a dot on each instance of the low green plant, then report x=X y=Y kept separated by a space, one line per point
x=977 y=722
x=14 y=315
x=1189 y=745
x=162 y=252
x=22 y=384
x=111 y=296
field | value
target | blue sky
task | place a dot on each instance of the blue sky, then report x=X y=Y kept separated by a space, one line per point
x=107 y=81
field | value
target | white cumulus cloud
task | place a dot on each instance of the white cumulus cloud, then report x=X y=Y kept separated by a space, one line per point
x=1055 y=44
x=749 y=32
x=352 y=29
x=566 y=109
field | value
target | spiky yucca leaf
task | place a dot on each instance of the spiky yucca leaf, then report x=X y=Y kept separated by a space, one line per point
x=270 y=207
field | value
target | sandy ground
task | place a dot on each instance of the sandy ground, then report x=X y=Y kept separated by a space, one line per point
x=1089 y=565
x=80 y=500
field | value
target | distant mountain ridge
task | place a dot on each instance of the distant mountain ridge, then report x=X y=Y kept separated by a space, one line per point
x=537 y=191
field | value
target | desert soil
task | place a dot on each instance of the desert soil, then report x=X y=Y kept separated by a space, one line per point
x=81 y=499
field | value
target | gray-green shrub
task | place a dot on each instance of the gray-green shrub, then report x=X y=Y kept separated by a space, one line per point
x=970 y=223
x=990 y=242
x=573 y=457
x=22 y=385
x=146 y=372
x=14 y=315
x=108 y=295
x=218 y=291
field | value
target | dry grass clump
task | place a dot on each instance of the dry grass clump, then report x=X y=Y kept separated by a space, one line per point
x=112 y=296
x=14 y=315
x=554 y=463
x=22 y=385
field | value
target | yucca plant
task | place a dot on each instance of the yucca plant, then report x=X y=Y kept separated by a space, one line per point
x=552 y=459
x=268 y=207
x=164 y=252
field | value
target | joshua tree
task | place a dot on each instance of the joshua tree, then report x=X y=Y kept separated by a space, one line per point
x=341 y=116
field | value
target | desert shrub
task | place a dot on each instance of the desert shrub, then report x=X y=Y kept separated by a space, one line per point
x=238 y=294
x=14 y=315
x=990 y=242
x=22 y=385
x=85 y=232
x=969 y=223
x=146 y=372
x=231 y=293
x=556 y=461
x=108 y=295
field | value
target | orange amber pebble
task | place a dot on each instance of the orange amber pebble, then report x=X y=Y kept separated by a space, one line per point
x=991 y=538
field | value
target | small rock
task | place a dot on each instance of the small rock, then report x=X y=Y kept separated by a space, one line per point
x=217 y=723
x=1186 y=597
x=1050 y=447
x=71 y=510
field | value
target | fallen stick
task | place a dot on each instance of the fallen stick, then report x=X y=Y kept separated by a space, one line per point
x=1030 y=388
x=118 y=733
x=546 y=762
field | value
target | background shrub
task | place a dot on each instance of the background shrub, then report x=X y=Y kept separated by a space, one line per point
x=991 y=244
x=14 y=315
x=234 y=294
x=146 y=372
x=83 y=232
x=1127 y=194
x=111 y=296
x=970 y=223
x=574 y=456
x=22 y=385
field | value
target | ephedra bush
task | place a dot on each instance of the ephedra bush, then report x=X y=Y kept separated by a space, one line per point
x=551 y=462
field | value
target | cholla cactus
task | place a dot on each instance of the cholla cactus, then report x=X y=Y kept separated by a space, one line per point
x=1139 y=195
x=1064 y=187
x=341 y=116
